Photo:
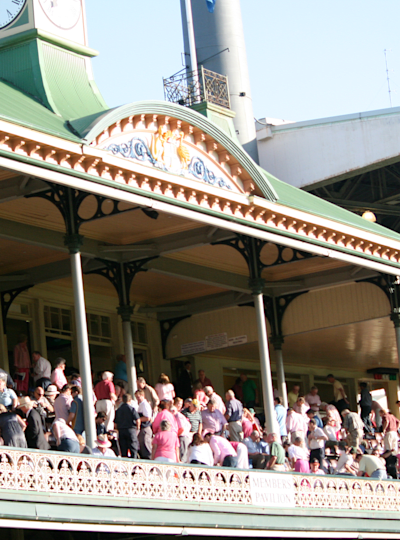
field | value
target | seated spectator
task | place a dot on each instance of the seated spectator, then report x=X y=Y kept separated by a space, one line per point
x=299 y=456
x=83 y=448
x=103 y=447
x=223 y=452
x=192 y=413
x=315 y=467
x=242 y=454
x=212 y=419
x=200 y=396
x=34 y=433
x=164 y=389
x=51 y=393
x=40 y=400
x=101 y=423
x=12 y=428
x=166 y=444
x=66 y=439
x=200 y=452
x=345 y=462
x=257 y=458
x=276 y=460
x=313 y=399
x=8 y=397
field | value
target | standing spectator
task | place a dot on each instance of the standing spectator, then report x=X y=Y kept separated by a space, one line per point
x=296 y=425
x=366 y=406
x=331 y=433
x=149 y=393
x=313 y=399
x=354 y=427
x=209 y=392
x=57 y=377
x=41 y=370
x=223 y=452
x=184 y=427
x=237 y=389
x=300 y=406
x=164 y=414
x=22 y=364
x=372 y=466
x=276 y=454
x=106 y=397
x=12 y=428
x=8 y=378
x=250 y=392
x=166 y=444
x=34 y=430
x=185 y=381
x=51 y=393
x=76 y=417
x=8 y=397
x=390 y=425
x=310 y=414
x=212 y=419
x=62 y=404
x=299 y=456
x=193 y=414
x=200 y=452
x=66 y=439
x=332 y=412
x=281 y=415
x=234 y=413
x=376 y=407
x=339 y=395
x=316 y=442
x=200 y=396
x=145 y=434
x=128 y=422
x=293 y=395
x=164 y=388
x=203 y=380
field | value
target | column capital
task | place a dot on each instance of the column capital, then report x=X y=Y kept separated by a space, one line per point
x=256 y=285
x=125 y=311
x=395 y=318
x=277 y=342
x=73 y=242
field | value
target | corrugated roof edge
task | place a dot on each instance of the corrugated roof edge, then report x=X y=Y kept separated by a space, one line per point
x=298 y=199
x=91 y=126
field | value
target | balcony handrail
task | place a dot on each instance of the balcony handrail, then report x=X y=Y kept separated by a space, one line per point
x=192 y=87
x=80 y=474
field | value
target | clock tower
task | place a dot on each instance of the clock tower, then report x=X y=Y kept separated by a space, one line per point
x=44 y=52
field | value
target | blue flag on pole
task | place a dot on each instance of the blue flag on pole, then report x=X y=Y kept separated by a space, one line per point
x=211 y=5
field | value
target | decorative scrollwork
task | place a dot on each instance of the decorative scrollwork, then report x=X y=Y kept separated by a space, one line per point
x=200 y=171
x=136 y=148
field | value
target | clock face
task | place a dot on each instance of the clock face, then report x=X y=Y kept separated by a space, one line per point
x=9 y=11
x=63 y=13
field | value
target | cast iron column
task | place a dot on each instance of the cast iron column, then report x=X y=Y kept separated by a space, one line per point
x=125 y=311
x=395 y=314
x=256 y=286
x=74 y=242
x=277 y=343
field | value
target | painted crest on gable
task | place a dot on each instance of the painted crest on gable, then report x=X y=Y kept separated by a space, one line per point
x=173 y=152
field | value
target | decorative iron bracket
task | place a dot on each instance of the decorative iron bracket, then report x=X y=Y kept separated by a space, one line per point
x=7 y=298
x=166 y=328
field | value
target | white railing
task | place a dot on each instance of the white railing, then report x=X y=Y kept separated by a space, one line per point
x=74 y=474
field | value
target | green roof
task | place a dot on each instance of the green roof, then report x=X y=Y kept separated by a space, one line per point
x=298 y=199
x=19 y=108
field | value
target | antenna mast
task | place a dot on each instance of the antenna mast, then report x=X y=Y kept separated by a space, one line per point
x=388 y=80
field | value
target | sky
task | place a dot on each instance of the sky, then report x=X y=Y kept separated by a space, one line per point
x=307 y=59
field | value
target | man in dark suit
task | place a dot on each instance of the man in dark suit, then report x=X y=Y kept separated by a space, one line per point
x=34 y=433
x=185 y=382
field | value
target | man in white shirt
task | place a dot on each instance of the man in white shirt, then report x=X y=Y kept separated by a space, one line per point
x=345 y=462
x=41 y=367
x=316 y=442
x=145 y=434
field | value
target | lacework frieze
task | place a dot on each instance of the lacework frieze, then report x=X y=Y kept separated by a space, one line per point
x=86 y=475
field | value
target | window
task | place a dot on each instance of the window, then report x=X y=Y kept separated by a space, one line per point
x=139 y=332
x=99 y=328
x=57 y=321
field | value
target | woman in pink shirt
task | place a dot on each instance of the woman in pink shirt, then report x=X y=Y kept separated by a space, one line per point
x=164 y=414
x=199 y=394
x=165 y=444
x=57 y=377
x=164 y=388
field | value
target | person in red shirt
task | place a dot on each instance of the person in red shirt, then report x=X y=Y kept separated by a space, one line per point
x=106 y=397
x=203 y=380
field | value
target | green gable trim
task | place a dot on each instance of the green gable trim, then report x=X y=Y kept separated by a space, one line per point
x=90 y=127
x=213 y=213
x=18 y=108
x=298 y=199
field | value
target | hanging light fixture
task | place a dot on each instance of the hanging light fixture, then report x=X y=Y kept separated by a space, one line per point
x=369 y=216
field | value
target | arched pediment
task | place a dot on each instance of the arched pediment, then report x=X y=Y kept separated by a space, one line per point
x=176 y=140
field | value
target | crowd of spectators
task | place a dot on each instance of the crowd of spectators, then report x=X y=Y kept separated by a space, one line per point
x=190 y=423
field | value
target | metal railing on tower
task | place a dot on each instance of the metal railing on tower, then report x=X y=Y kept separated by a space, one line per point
x=187 y=89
